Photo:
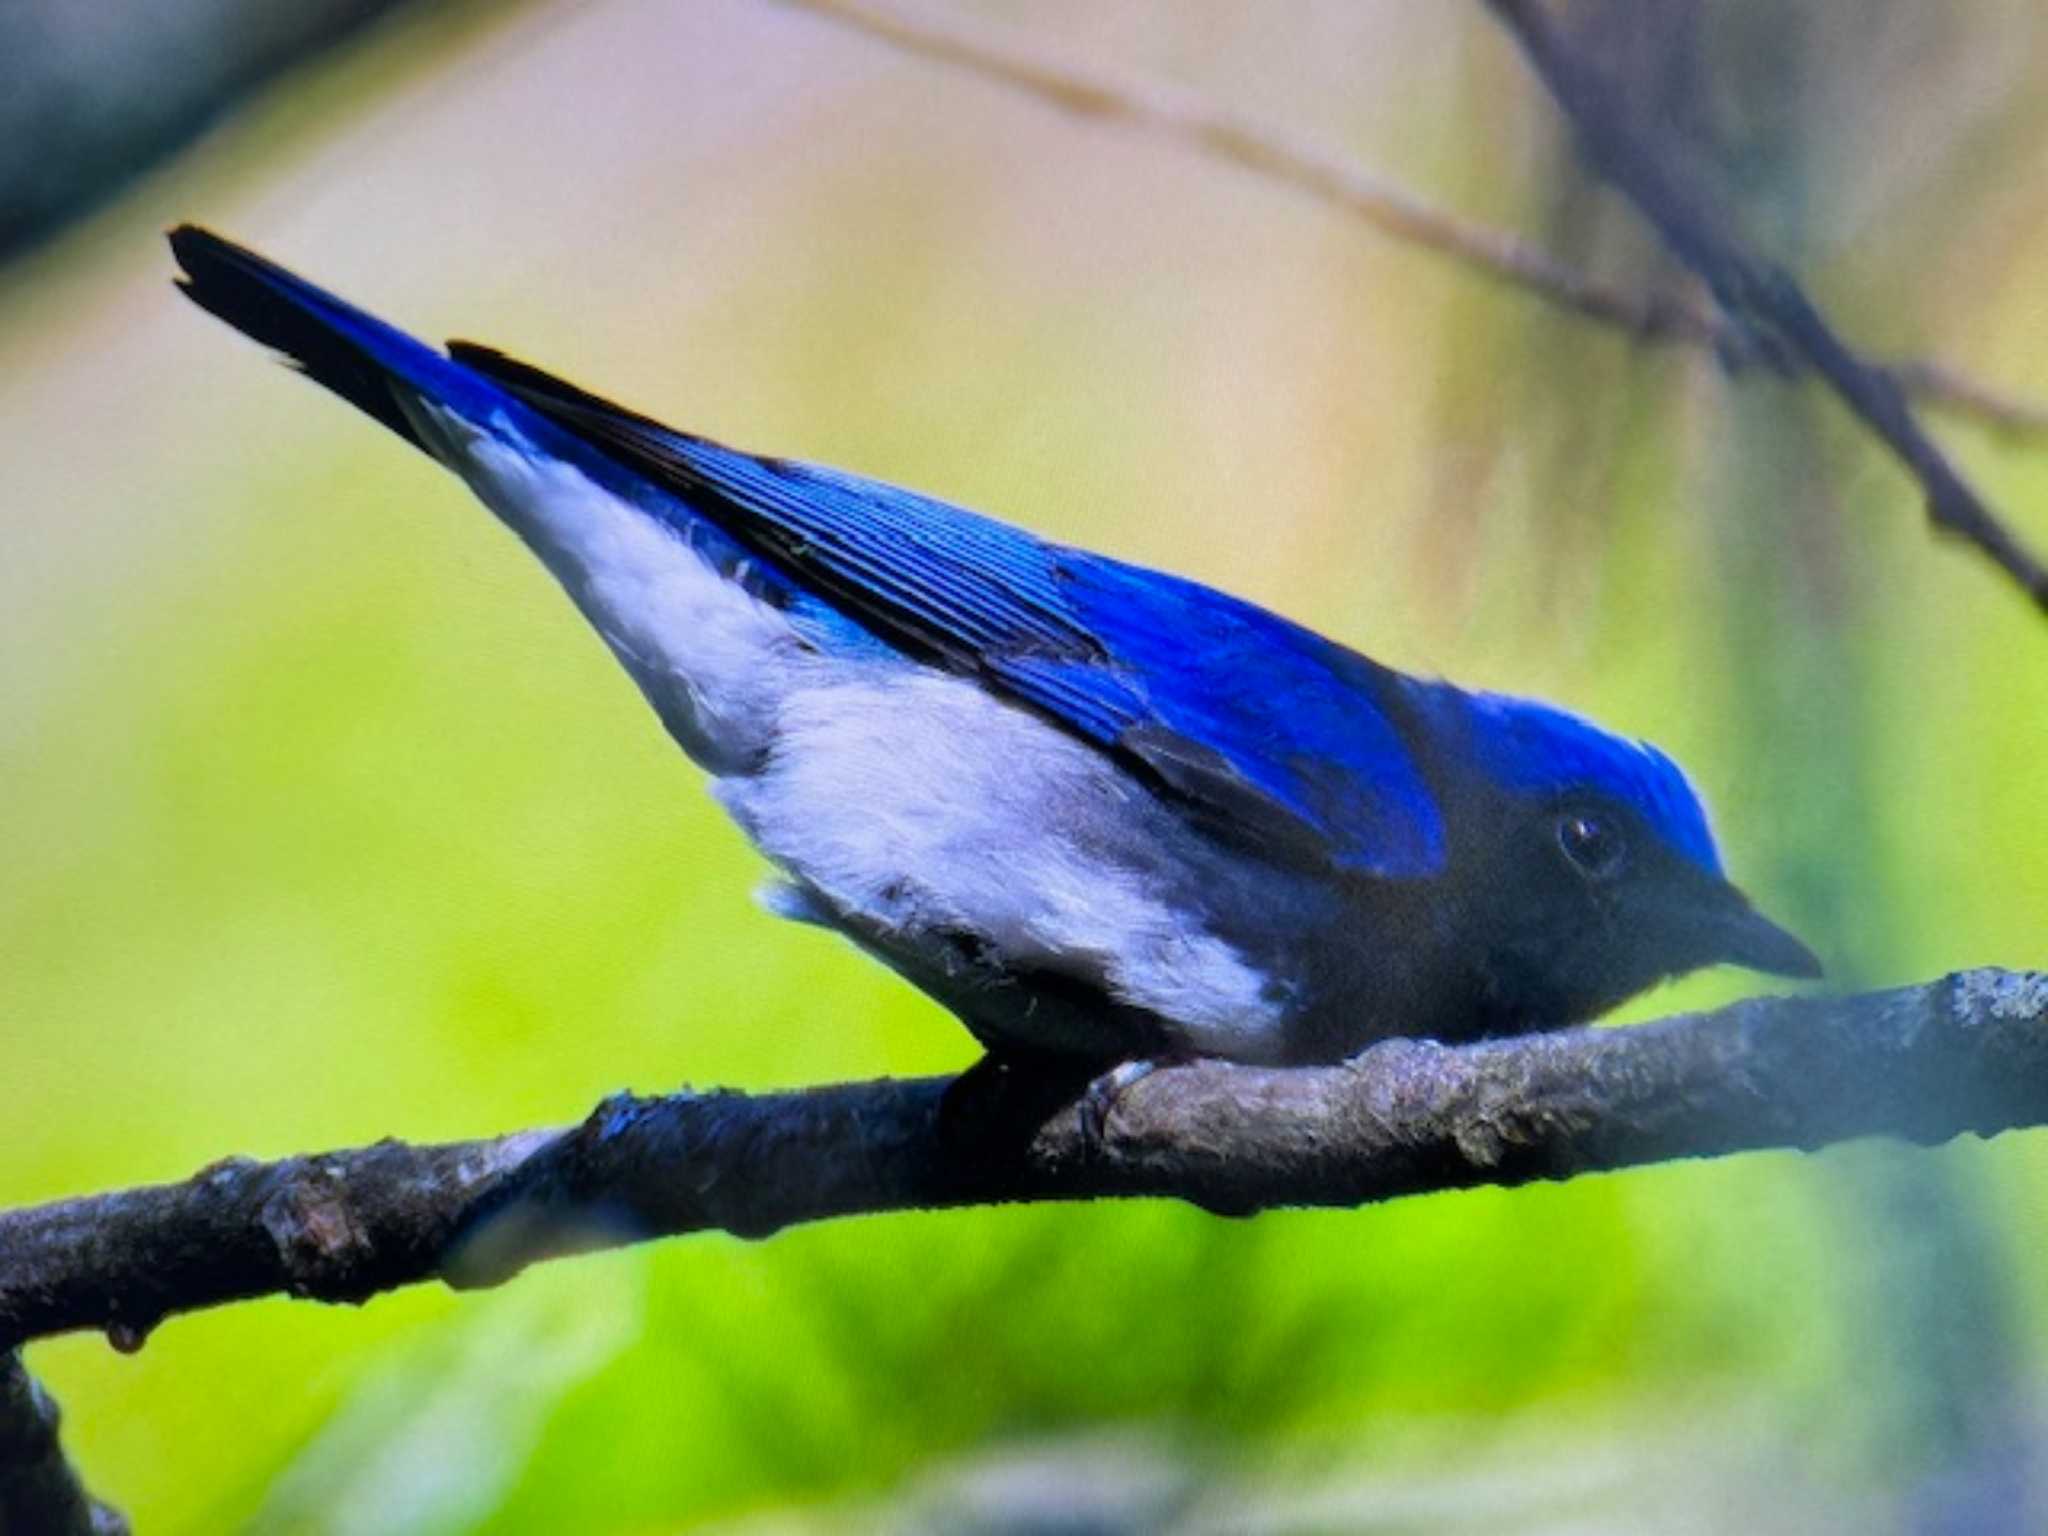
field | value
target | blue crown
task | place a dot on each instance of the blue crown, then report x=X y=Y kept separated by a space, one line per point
x=1538 y=749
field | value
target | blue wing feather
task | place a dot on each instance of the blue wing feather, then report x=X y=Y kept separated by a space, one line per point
x=1260 y=727
x=1264 y=729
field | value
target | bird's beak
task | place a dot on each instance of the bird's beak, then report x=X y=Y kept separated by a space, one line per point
x=1738 y=934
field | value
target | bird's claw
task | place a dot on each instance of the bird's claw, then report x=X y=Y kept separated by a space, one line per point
x=1092 y=1109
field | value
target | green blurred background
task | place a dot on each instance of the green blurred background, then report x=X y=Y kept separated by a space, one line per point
x=323 y=817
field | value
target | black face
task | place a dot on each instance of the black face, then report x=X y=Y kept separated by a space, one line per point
x=1586 y=906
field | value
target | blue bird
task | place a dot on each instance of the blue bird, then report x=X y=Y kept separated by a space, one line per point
x=1099 y=812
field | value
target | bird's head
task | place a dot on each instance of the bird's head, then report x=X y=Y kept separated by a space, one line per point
x=1594 y=865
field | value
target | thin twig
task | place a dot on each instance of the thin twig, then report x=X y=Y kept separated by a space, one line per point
x=40 y=1492
x=1965 y=1054
x=1760 y=297
x=1152 y=106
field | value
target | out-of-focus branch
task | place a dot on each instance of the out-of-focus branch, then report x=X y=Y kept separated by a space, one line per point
x=1760 y=297
x=40 y=1494
x=1087 y=89
x=1965 y=1054
x=92 y=94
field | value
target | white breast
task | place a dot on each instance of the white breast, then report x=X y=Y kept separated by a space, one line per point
x=918 y=801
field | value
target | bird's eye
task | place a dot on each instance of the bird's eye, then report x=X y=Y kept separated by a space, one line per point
x=1591 y=842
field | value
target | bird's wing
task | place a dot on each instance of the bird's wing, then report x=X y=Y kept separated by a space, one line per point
x=1260 y=729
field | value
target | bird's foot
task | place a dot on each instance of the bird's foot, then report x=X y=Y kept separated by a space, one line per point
x=1099 y=1098
x=1000 y=1102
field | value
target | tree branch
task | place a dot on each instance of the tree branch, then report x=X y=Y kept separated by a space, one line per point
x=86 y=105
x=1760 y=297
x=1967 y=1054
x=40 y=1494
x=1088 y=90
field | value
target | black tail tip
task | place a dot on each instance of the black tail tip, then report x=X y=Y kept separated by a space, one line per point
x=200 y=251
x=190 y=243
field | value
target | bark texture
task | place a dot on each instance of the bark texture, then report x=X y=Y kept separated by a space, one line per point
x=1967 y=1054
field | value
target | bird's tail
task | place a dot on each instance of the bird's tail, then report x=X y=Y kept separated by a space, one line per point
x=358 y=356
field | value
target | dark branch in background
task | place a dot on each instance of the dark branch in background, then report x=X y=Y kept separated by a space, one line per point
x=1765 y=316
x=1088 y=90
x=1773 y=313
x=92 y=95
x=40 y=1495
x=1967 y=1054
